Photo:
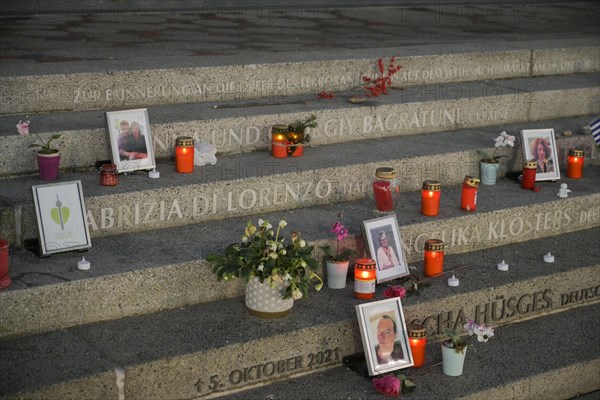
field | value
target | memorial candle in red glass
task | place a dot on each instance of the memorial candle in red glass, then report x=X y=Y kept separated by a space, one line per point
x=184 y=155
x=279 y=148
x=575 y=164
x=365 y=274
x=468 y=199
x=417 y=337
x=386 y=190
x=433 y=257
x=430 y=198
x=528 y=175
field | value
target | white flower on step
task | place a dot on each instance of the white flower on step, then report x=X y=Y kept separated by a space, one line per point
x=244 y=239
x=287 y=277
x=505 y=140
x=261 y=267
x=282 y=224
x=470 y=326
x=273 y=255
x=484 y=333
x=283 y=252
x=302 y=243
x=296 y=294
x=260 y=222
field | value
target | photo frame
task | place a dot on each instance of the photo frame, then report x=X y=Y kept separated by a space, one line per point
x=382 y=237
x=131 y=140
x=60 y=212
x=384 y=336
x=540 y=145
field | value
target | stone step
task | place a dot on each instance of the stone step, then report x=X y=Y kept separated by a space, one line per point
x=218 y=346
x=254 y=182
x=144 y=272
x=246 y=127
x=68 y=60
x=521 y=362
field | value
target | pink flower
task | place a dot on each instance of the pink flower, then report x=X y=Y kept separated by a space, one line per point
x=394 y=291
x=340 y=230
x=23 y=128
x=389 y=385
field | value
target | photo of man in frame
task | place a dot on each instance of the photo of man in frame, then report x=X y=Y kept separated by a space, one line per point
x=388 y=347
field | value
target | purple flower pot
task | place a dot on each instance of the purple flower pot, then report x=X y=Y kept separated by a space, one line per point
x=48 y=165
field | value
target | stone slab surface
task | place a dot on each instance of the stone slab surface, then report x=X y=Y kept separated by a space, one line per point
x=149 y=271
x=179 y=353
x=243 y=127
x=517 y=364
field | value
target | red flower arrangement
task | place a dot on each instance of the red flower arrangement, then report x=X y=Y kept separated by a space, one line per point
x=378 y=86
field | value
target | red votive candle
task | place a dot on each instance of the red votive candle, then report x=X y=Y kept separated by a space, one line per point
x=575 y=164
x=279 y=147
x=433 y=257
x=528 y=175
x=417 y=337
x=386 y=189
x=365 y=274
x=184 y=155
x=109 y=176
x=468 y=199
x=430 y=198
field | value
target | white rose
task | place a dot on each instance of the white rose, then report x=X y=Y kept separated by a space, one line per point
x=302 y=243
x=296 y=294
x=282 y=224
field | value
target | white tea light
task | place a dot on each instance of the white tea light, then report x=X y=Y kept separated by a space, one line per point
x=502 y=266
x=549 y=258
x=454 y=281
x=154 y=174
x=83 y=265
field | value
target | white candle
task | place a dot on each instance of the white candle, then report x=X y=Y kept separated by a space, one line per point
x=83 y=265
x=549 y=258
x=454 y=281
x=502 y=266
x=154 y=174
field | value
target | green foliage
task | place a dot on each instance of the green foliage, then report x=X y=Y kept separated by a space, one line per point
x=455 y=341
x=331 y=255
x=264 y=254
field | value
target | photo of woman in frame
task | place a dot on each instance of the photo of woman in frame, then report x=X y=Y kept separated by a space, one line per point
x=539 y=145
x=382 y=237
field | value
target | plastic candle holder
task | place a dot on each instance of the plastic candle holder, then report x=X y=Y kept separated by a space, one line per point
x=468 y=199
x=365 y=274
x=575 y=164
x=433 y=257
x=279 y=141
x=430 y=198
x=417 y=337
x=528 y=175
x=184 y=155
x=386 y=190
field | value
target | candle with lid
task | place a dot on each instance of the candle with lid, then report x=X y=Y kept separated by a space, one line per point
x=468 y=199
x=575 y=164
x=549 y=258
x=418 y=340
x=528 y=174
x=502 y=266
x=430 y=198
x=109 y=176
x=279 y=134
x=184 y=155
x=433 y=257
x=386 y=189
x=154 y=174
x=83 y=265
x=365 y=274
x=453 y=281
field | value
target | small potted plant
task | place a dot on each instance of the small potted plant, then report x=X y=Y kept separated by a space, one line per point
x=337 y=262
x=297 y=136
x=454 y=348
x=490 y=164
x=272 y=269
x=48 y=158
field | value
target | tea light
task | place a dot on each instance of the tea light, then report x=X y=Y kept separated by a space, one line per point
x=83 y=265
x=418 y=340
x=468 y=199
x=549 y=258
x=454 y=281
x=502 y=266
x=154 y=174
x=430 y=198
x=575 y=164
x=184 y=155
x=433 y=263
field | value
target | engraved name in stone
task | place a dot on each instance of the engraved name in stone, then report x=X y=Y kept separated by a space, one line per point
x=502 y=308
x=271 y=369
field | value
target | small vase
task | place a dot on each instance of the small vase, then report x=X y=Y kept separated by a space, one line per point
x=48 y=165
x=265 y=301
x=337 y=271
x=488 y=172
x=453 y=362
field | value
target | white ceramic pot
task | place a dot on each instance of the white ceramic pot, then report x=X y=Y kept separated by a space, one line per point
x=452 y=361
x=265 y=301
x=488 y=172
x=337 y=271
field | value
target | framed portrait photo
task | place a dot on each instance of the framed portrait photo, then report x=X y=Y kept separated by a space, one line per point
x=382 y=237
x=131 y=140
x=540 y=145
x=60 y=212
x=384 y=336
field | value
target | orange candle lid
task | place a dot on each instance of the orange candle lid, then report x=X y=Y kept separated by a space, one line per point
x=434 y=245
x=365 y=263
x=184 y=141
x=532 y=164
x=432 y=185
x=469 y=180
x=416 y=331
x=576 y=153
